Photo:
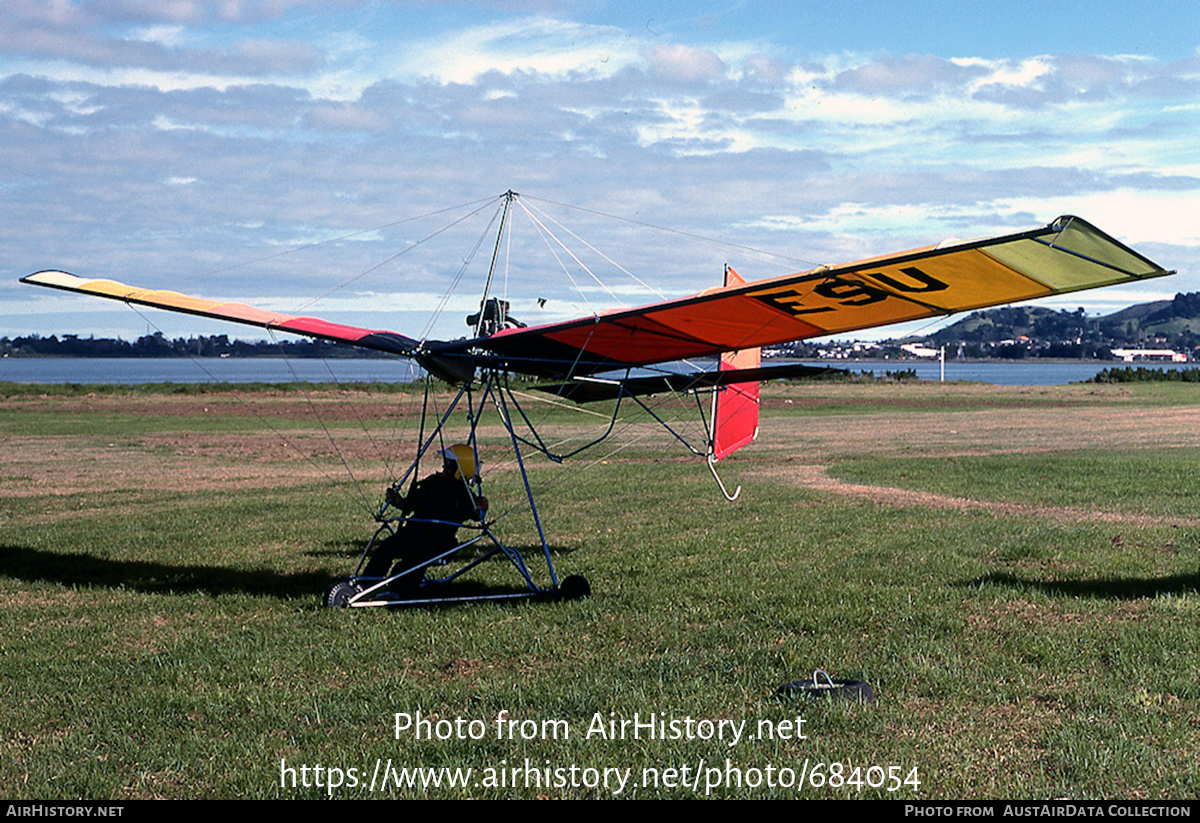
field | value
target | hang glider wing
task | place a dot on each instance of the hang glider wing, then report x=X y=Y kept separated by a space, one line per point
x=1067 y=255
x=236 y=312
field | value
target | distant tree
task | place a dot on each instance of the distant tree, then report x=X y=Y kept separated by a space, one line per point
x=153 y=345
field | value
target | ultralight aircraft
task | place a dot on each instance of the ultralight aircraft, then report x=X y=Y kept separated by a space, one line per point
x=603 y=356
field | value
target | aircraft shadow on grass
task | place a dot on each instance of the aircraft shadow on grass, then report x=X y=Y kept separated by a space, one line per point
x=86 y=570
x=1109 y=588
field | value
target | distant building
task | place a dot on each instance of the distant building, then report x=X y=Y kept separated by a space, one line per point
x=919 y=350
x=1167 y=355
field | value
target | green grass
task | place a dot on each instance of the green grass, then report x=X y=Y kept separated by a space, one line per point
x=11 y=389
x=1159 y=482
x=168 y=641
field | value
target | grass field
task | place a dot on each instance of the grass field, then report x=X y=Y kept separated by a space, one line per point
x=1014 y=570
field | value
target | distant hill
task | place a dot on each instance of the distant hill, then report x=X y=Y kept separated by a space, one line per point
x=1011 y=323
x=1162 y=323
x=1161 y=318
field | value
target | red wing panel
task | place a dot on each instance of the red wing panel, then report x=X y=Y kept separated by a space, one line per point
x=677 y=332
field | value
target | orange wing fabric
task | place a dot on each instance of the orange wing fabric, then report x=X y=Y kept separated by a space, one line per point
x=1067 y=255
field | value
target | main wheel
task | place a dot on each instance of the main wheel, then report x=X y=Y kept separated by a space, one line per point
x=338 y=595
x=574 y=587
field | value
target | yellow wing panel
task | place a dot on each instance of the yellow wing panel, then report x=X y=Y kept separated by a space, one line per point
x=100 y=288
x=835 y=304
x=957 y=282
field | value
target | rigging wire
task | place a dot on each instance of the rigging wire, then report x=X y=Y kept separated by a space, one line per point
x=400 y=420
x=701 y=240
x=542 y=232
x=328 y=434
x=379 y=451
x=254 y=410
x=457 y=279
x=389 y=259
x=553 y=243
x=606 y=258
x=338 y=239
x=698 y=239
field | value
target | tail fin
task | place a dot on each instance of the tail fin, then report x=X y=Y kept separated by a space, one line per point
x=735 y=407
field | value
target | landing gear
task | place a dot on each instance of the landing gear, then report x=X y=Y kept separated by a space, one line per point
x=392 y=568
x=574 y=587
x=338 y=595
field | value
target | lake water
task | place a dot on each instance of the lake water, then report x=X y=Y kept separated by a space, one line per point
x=116 y=370
x=271 y=370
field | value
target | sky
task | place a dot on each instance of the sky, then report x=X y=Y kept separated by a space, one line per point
x=349 y=159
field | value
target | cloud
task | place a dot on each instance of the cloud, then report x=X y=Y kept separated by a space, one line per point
x=921 y=75
x=684 y=64
x=338 y=116
x=195 y=12
x=90 y=35
x=765 y=69
x=530 y=44
x=144 y=145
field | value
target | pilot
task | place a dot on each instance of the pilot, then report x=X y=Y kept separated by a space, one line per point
x=435 y=508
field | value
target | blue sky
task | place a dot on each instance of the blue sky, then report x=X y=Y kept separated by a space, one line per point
x=206 y=147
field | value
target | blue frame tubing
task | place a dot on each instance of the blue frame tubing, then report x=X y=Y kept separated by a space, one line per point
x=374 y=591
